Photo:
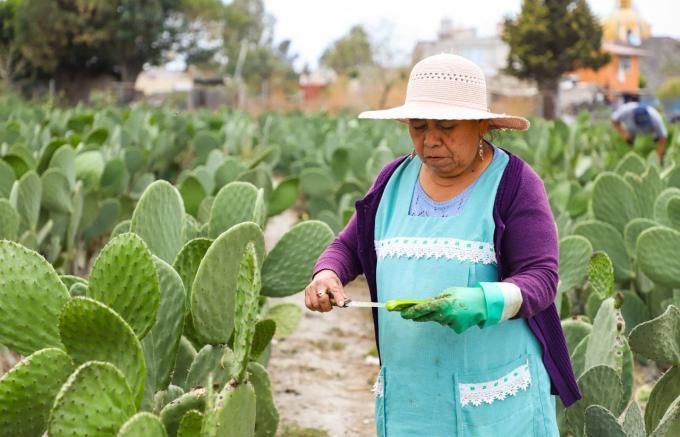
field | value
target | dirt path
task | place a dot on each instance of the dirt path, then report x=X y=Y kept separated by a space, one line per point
x=322 y=375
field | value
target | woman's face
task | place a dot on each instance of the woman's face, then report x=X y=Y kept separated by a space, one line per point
x=447 y=147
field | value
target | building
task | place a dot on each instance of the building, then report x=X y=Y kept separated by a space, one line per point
x=623 y=33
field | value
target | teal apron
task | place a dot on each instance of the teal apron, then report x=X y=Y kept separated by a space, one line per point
x=434 y=382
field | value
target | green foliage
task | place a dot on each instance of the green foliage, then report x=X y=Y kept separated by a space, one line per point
x=31 y=299
x=349 y=52
x=288 y=266
x=172 y=414
x=659 y=338
x=28 y=390
x=95 y=399
x=142 y=425
x=91 y=331
x=234 y=204
x=124 y=278
x=601 y=275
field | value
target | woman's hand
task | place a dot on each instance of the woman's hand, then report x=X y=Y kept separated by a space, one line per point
x=318 y=293
x=458 y=308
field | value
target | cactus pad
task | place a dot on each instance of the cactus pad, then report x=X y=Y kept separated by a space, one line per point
x=162 y=342
x=608 y=239
x=120 y=228
x=159 y=220
x=633 y=230
x=290 y=263
x=96 y=400
x=600 y=386
x=172 y=414
x=633 y=423
x=614 y=200
x=245 y=314
x=574 y=332
x=574 y=254
x=164 y=397
x=264 y=332
x=142 y=425
x=56 y=191
x=187 y=262
x=209 y=361
x=28 y=390
x=9 y=221
x=31 y=298
x=124 y=278
x=284 y=195
x=605 y=346
x=600 y=422
x=287 y=317
x=25 y=197
x=661 y=205
x=191 y=424
x=193 y=193
x=234 y=204
x=92 y=331
x=7 y=178
x=267 y=415
x=235 y=412
x=186 y=353
x=659 y=338
x=214 y=289
x=657 y=255
x=601 y=275
x=316 y=182
x=662 y=396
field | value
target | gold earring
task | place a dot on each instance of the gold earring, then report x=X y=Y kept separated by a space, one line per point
x=481 y=150
x=412 y=154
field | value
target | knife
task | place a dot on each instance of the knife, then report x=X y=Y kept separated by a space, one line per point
x=358 y=304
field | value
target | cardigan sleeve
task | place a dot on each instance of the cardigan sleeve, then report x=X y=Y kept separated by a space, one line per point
x=530 y=245
x=341 y=255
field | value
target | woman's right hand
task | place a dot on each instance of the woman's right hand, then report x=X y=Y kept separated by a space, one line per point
x=318 y=293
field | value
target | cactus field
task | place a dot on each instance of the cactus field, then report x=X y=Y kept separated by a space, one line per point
x=138 y=296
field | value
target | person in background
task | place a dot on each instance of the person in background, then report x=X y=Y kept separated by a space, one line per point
x=633 y=118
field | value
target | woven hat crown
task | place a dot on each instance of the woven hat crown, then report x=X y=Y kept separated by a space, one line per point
x=449 y=79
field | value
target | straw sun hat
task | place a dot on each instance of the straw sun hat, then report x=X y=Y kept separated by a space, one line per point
x=447 y=87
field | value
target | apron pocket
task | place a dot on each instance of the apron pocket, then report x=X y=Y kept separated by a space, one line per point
x=379 y=391
x=497 y=401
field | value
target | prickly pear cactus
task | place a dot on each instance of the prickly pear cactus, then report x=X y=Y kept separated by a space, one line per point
x=190 y=425
x=657 y=250
x=607 y=238
x=316 y=182
x=633 y=230
x=614 y=200
x=56 y=191
x=600 y=386
x=208 y=362
x=287 y=317
x=161 y=344
x=284 y=195
x=124 y=278
x=234 y=412
x=601 y=275
x=172 y=414
x=663 y=394
x=31 y=298
x=193 y=193
x=186 y=264
x=575 y=251
x=159 y=220
x=600 y=422
x=213 y=292
x=25 y=198
x=234 y=203
x=9 y=221
x=142 y=425
x=633 y=423
x=659 y=338
x=245 y=318
x=288 y=266
x=164 y=397
x=264 y=332
x=96 y=400
x=186 y=354
x=575 y=331
x=91 y=331
x=606 y=343
x=28 y=390
x=267 y=415
x=7 y=178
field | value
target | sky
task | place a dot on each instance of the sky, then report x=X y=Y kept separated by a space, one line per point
x=312 y=25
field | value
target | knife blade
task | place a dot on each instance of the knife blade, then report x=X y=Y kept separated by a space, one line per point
x=359 y=304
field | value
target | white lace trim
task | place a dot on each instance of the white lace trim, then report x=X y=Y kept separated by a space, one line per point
x=379 y=386
x=449 y=248
x=496 y=390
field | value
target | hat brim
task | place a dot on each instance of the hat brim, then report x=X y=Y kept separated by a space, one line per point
x=442 y=111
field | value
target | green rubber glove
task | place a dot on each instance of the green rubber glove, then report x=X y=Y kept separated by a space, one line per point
x=458 y=308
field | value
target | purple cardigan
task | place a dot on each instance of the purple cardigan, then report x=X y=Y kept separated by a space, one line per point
x=526 y=249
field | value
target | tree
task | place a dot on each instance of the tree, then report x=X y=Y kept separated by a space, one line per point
x=348 y=53
x=550 y=38
x=12 y=64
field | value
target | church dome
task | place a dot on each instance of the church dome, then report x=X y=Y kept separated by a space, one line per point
x=625 y=25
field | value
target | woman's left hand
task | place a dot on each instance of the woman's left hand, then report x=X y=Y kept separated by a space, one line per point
x=458 y=308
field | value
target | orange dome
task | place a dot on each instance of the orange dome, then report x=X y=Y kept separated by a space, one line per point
x=625 y=24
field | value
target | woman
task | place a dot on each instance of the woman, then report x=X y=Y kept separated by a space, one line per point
x=466 y=218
